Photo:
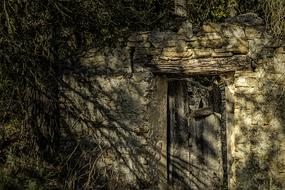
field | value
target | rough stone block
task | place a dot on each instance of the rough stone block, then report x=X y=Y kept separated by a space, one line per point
x=98 y=59
x=200 y=53
x=211 y=27
x=252 y=33
x=131 y=44
x=216 y=43
x=274 y=43
x=141 y=51
x=194 y=38
x=133 y=38
x=186 y=30
x=173 y=53
x=259 y=99
x=195 y=43
x=246 y=90
x=247 y=19
x=170 y=43
x=178 y=45
x=233 y=31
x=245 y=81
x=143 y=36
x=144 y=45
x=220 y=50
x=279 y=63
x=155 y=51
x=212 y=36
x=164 y=58
x=221 y=54
x=237 y=46
x=255 y=46
x=157 y=36
x=258 y=118
x=280 y=50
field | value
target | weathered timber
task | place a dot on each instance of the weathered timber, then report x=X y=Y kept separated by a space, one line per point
x=194 y=142
x=202 y=112
x=202 y=66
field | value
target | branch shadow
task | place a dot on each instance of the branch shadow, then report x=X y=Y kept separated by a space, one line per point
x=105 y=117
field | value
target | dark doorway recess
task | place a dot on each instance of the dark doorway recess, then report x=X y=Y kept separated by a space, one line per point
x=196 y=144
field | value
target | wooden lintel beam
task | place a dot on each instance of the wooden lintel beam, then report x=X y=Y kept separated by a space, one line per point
x=201 y=66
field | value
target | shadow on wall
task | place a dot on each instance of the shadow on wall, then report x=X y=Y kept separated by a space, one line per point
x=260 y=130
x=107 y=122
x=105 y=114
x=258 y=148
x=111 y=141
x=105 y=107
x=106 y=127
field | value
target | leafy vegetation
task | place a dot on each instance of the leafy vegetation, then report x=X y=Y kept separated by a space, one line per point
x=39 y=39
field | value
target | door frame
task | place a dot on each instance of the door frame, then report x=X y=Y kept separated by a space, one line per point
x=228 y=124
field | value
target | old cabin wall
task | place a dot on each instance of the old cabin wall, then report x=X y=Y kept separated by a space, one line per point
x=108 y=106
x=258 y=134
x=119 y=100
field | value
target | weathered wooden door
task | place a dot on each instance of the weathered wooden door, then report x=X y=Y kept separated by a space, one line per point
x=194 y=135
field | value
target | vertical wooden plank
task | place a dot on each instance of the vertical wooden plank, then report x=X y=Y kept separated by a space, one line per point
x=162 y=102
x=206 y=154
x=195 y=143
x=212 y=152
x=181 y=135
x=229 y=95
x=224 y=137
x=158 y=119
x=178 y=134
x=171 y=113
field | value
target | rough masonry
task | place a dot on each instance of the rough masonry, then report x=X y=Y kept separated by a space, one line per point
x=119 y=100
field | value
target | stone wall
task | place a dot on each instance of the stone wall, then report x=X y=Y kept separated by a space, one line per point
x=107 y=106
x=118 y=100
x=258 y=133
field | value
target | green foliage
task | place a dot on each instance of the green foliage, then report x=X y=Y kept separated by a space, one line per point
x=40 y=39
x=274 y=16
x=200 y=11
x=8 y=182
x=245 y=6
